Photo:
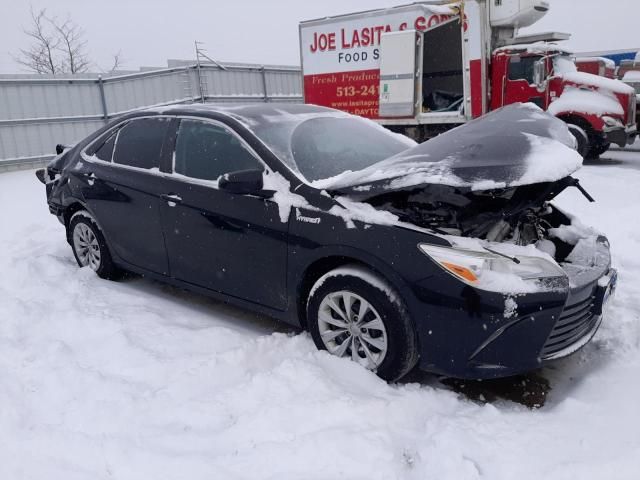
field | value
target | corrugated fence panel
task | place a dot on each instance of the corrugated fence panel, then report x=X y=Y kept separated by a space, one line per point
x=284 y=84
x=40 y=139
x=38 y=113
x=125 y=94
x=35 y=99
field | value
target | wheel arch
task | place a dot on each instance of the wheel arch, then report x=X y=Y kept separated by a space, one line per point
x=69 y=212
x=577 y=119
x=321 y=266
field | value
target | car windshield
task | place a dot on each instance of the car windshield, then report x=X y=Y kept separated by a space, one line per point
x=321 y=146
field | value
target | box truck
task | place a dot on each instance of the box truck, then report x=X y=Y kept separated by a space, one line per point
x=423 y=68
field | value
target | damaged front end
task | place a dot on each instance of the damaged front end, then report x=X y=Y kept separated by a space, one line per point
x=537 y=277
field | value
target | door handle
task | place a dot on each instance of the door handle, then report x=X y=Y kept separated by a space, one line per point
x=171 y=198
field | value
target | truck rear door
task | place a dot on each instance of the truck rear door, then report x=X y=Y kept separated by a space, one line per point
x=399 y=54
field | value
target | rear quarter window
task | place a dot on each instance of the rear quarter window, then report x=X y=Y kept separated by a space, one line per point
x=139 y=143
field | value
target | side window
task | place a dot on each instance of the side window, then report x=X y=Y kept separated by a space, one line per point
x=207 y=151
x=139 y=143
x=521 y=68
x=103 y=148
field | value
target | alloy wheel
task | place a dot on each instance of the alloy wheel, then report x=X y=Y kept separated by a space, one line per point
x=86 y=246
x=351 y=327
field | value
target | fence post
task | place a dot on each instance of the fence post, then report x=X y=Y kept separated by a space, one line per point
x=105 y=112
x=263 y=70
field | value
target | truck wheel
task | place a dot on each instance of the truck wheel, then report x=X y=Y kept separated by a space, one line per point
x=582 y=139
x=353 y=313
x=598 y=150
x=89 y=246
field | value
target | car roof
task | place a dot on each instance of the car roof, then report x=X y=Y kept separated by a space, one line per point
x=245 y=113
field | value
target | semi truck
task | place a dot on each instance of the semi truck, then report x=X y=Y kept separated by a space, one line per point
x=423 y=68
x=601 y=66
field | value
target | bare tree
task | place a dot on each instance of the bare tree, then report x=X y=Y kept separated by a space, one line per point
x=40 y=57
x=57 y=46
x=72 y=46
x=117 y=62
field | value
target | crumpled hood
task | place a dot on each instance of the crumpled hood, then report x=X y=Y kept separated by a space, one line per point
x=514 y=146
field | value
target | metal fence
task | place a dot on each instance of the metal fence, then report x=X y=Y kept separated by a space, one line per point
x=38 y=113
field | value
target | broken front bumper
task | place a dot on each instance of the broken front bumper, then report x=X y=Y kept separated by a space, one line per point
x=580 y=318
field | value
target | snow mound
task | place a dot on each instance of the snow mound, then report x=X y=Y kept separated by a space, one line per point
x=134 y=380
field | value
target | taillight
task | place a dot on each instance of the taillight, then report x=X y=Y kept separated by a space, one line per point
x=632 y=110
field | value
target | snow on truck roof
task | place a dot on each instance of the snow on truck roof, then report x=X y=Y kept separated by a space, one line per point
x=538 y=47
x=441 y=7
x=607 y=61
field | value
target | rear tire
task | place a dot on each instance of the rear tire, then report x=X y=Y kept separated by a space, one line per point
x=89 y=246
x=352 y=307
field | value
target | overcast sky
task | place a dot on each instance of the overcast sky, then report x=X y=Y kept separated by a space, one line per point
x=148 y=32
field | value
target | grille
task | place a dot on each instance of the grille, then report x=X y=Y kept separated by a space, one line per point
x=576 y=324
x=632 y=111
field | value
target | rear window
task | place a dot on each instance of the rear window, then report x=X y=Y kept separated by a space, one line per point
x=139 y=143
x=103 y=148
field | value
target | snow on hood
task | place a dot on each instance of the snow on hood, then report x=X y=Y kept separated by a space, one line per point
x=593 y=102
x=514 y=146
x=632 y=76
x=596 y=81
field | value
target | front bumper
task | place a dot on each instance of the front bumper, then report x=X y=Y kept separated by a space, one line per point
x=580 y=319
x=471 y=334
x=621 y=136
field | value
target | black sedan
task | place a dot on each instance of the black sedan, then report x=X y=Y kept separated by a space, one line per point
x=448 y=255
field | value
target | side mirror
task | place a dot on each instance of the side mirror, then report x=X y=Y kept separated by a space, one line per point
x=540 y=73
x=243 y=182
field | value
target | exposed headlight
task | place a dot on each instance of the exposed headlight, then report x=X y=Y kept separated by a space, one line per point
x=489 y=271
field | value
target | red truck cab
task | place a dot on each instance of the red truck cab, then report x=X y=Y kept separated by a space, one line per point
x=603 y=67
x=599 y=111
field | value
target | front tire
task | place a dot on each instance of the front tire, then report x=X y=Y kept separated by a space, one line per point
x=353 y=313
x=582 y=139
x=89 y=246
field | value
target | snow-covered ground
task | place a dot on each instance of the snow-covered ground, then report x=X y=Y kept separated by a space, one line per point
x=135 y=380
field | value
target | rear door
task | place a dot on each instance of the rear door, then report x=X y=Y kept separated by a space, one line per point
x=399 y=52
x=123 y=191
x=233 y=244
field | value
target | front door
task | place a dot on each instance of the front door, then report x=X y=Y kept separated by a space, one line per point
x=229 y=243
x=520 y=85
